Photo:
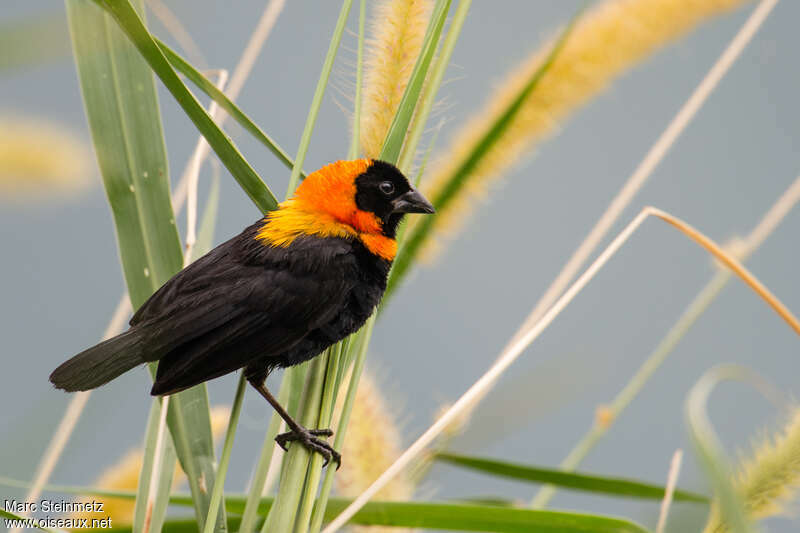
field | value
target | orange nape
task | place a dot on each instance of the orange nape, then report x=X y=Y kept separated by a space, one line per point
x=324 y=205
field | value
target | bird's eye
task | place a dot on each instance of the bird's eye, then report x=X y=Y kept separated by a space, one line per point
x=387 y=187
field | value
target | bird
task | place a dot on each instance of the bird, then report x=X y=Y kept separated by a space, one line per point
x=298 y=280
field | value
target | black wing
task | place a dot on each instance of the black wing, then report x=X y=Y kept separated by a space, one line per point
x=241 y=302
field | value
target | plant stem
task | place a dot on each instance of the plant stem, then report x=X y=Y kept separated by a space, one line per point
x=250 y=514
x=224 y=461
x=319 y=92
x=282 y=514
x=768 y=223
x=698 y=306
x=354 y=143
x=402 y=118
x=432 y=87
x=329 y=391
x=341 y=429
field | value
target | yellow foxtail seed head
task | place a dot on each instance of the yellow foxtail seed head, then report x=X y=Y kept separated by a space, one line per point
x=397 y=35
x=124 y=475
x=606 y=42
x=38 y=156
x=372 y=444
x=769 y=479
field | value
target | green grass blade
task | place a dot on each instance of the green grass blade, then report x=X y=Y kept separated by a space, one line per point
x=130 y=22
x=354 y=142
x=205 y=85
x=583 y=482
x=11 y=516
x=361 y=345
x=399 y=127
x=462 y=517
x=389 y=152
x=249 y=513
x=122 y=109
x=636 y=384
x=330 y=364
x=341 y=361
x=431 y=515
x=219 y=483
x=421 y=231
x=168 y=457
x=319 y=92
x=431 y=89
x=284 y=514
x=709 y=449
x=125 y=123
x=297 y=460
x=190 y=425
x=454 y=516
x=401 y=231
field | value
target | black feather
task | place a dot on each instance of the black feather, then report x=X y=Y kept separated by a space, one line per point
x=247 y=304
x=101 y=363
x=263 y=307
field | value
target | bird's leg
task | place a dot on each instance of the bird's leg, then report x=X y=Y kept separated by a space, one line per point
x=307 y=437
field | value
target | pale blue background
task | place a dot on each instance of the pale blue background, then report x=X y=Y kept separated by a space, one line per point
x=61 y=278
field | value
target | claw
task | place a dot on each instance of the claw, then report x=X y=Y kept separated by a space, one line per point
x=308 y=438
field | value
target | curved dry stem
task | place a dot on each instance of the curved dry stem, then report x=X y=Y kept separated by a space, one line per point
x=193 y=175
x=515 y=348
x=653 y=157
x=771 y=219
x=123 y=309
x=731 y=262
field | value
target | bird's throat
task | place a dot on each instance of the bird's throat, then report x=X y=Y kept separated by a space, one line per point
x=282 y=226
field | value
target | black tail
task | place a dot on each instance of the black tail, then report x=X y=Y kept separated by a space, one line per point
x=101 y=363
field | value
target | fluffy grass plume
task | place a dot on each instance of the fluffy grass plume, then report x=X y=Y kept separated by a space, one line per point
x=371 y=445
x=607 y=41
x=124 y=475
x=39 y=156
x=398 y=29
x=768 y=480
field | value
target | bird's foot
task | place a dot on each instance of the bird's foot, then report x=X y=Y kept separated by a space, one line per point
x=308 y=438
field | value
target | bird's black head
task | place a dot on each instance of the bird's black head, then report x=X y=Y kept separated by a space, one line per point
x=383 y=190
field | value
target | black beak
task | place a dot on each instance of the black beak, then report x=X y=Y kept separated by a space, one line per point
x=412 y=202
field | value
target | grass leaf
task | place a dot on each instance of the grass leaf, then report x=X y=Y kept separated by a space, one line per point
x=405 y=111
x=130 y=22
x=296 y=463
x=422 y=229
x=709 y=448
x=460 y=517
x=431 y=88
x=434 y=515
x=205 y=85
x=11 y=516
x=122 y=109
x=157 y=515
x=125 y=123
x=319 y=92
x=584 y=482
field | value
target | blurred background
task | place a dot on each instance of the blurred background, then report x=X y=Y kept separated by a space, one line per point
x=60 y=275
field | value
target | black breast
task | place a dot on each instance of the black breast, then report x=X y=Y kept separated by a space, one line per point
x=363 y=276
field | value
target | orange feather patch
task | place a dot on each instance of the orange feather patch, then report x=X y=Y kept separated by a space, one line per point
x=324 y=205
